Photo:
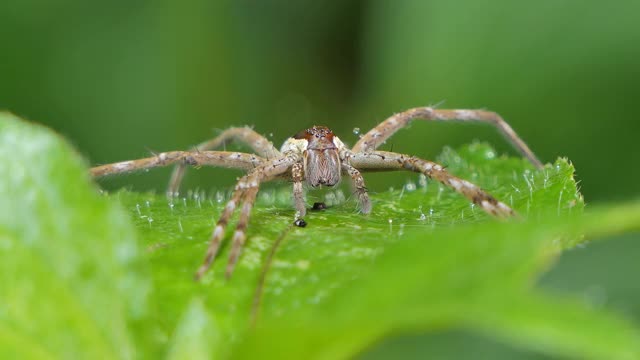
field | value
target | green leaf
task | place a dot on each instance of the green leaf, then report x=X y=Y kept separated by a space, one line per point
x=425 y=259
x=479 y=279
x=197 y=336
x=70 y=282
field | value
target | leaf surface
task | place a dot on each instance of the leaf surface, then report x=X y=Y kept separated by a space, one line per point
x=425 y=259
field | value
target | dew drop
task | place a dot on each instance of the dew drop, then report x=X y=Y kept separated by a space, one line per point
x=546 y=179
x=410 y=186
x=196 y=197
x=356 y=131
x=219 y=197
x=422 y=180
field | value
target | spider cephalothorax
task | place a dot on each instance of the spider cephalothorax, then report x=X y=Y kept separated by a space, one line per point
x=316 y=156
x=320 y=153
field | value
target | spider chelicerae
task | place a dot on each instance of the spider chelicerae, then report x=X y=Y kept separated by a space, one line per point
x=318 y=158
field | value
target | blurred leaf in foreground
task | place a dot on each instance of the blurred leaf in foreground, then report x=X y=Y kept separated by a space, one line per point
x=69 y=263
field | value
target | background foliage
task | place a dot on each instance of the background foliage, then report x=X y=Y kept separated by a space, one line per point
x=119 y=79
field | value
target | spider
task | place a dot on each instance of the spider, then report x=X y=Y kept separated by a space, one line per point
x=318 y=158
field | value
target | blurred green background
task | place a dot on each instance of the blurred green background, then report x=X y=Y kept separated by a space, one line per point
x=122 y=78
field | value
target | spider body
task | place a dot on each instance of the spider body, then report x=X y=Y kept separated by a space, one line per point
x=317 y=157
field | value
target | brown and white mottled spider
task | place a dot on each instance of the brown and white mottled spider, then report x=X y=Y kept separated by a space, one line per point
x=316 y=156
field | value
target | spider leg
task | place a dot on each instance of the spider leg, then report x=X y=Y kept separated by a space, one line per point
x=245 y=193
x=383 y=160
x=239 y=235
x=360 y=188
x=258 y=143
x=218 y=232
x=297 y=174
x=376 y=136
x=232 y=160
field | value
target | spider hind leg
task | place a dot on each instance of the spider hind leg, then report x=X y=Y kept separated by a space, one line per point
x=379 y=134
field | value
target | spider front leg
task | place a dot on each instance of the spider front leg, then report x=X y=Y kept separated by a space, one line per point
x=383 y=160
x=205 y=158
x=239 y=236
x=245 y=195
x=258 y=143
x=218 y=232
x=378 y=135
